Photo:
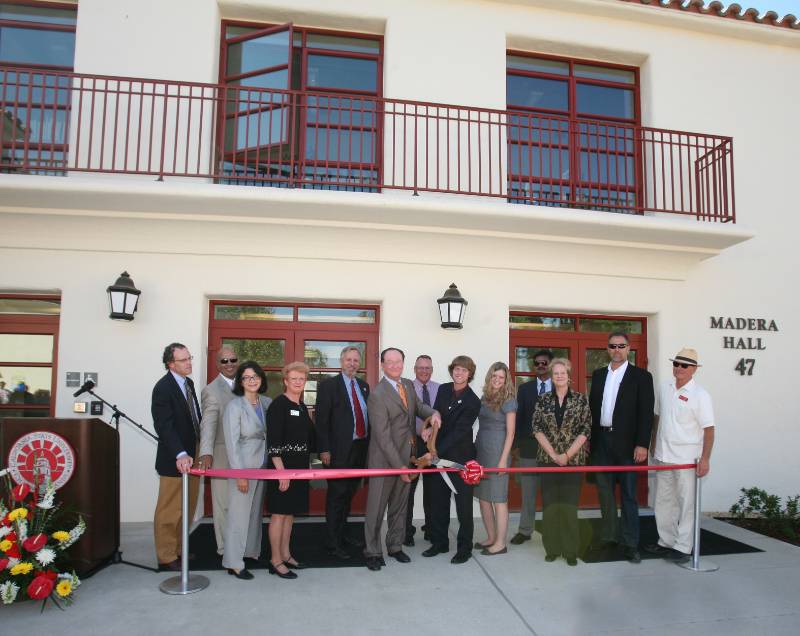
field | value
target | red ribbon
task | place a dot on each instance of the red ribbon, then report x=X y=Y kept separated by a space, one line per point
x=472 y=473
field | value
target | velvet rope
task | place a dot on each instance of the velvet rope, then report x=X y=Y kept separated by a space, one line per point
x=472 y=474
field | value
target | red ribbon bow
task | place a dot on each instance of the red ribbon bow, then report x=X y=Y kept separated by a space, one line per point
x=472 y=473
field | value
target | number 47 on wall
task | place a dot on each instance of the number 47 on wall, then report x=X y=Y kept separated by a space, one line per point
x=745 y=366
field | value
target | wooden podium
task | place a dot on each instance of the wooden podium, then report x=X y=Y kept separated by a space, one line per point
x=92 y=490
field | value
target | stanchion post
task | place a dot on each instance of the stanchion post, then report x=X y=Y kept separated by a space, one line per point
x=694 y=563
x=184 y=584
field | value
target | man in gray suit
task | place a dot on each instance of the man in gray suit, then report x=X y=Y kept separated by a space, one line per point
x=393 y=407
x=214 y=399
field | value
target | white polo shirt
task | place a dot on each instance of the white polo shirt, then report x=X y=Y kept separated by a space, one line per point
x=683 y=414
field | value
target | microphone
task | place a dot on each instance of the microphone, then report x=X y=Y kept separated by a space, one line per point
x=87 y=386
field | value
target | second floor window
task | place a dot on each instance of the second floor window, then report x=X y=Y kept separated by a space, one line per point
x=34 y=103
x=572 y=133
x=300 y=107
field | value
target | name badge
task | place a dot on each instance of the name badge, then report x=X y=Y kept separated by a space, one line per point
x=294 y=413
x=683 y=397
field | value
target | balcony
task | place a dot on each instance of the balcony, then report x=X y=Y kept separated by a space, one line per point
x=56 y=123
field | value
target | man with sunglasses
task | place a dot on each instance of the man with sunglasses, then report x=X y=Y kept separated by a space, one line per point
x=622 y=401
x=684 y=434
x=214 y=398
x=525 y=444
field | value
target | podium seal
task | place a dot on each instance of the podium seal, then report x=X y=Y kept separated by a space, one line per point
x=41 y=455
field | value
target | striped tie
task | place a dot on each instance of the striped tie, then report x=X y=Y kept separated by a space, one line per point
x=402 y=391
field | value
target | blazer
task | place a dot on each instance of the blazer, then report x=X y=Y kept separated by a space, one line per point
x=577 y=421
x=393 y=425
x=633 y=410
x=173 y=423
x=527 y=396
x=455 y=440
x=245 y=434
x=335 y=423
x=214 y=398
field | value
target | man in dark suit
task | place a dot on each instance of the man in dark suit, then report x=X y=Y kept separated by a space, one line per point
x=525 y=444
x=342 y=427
x=459 y=408
x=393 y=406
x=176 y=418
x=622 y=401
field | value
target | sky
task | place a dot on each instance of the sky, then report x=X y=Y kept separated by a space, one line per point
x=781 y=7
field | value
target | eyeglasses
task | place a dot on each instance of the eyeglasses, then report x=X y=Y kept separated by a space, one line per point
x=250 y=378
x=540 y=363
x=189 y=359
x=617 y=346
x=228 y=360
x=682 y=365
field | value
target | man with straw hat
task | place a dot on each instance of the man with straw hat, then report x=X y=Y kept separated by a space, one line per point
x=684 y=434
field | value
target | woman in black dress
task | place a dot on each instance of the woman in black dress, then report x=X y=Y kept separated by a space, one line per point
x=289 y=431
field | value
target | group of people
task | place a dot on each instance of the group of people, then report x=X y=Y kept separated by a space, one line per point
x=544 y=423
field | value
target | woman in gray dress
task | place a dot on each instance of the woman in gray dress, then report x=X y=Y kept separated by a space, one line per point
x=244 y=424
x=496 y=425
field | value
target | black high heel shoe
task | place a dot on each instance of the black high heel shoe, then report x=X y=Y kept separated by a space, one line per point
x=297 y=565
x=243 y=574
x=283 y=575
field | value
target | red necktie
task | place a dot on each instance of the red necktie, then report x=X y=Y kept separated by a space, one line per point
x=361 y=429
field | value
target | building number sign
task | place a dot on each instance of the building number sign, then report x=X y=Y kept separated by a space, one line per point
x=761 y=326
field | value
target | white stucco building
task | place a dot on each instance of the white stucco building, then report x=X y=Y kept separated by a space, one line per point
x=580 y=163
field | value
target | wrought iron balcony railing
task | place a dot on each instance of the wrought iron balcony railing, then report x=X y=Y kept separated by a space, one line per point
x=57 y=123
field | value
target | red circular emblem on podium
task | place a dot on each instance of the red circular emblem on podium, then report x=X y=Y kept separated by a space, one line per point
x=41 y=455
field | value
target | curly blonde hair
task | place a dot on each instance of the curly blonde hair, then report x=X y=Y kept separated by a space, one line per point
x=495 y=399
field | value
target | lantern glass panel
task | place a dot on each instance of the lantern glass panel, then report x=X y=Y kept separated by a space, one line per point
x=130 y=303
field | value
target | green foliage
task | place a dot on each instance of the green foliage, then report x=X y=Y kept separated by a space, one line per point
x=759 y=504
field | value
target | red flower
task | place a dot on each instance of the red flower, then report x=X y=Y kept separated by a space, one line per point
x=35 y=542
x=3 y=564
x=40 y=587
x=49 y=574
x=13 y=552
x=18 y=493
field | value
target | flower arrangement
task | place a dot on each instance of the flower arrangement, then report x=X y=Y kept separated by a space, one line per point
x=33 y=545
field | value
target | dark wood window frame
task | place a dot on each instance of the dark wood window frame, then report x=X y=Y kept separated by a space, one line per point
x=297 y=135
x=575 y=185
x=33 y=324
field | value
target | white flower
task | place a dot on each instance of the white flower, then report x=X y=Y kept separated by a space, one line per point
x=22 y=530
x=71 y=577
x=46 y=556
x=47 y=497
x=4 y=530
x=4 y=472
x=8 y=592
x=74 y=534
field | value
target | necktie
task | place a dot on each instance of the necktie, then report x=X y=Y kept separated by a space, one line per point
x=402 y=391
x=361 y=429
x=426 y=396
x=192 y=408
x=542 y=388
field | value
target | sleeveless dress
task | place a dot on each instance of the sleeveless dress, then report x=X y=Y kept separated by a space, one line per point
x=489 y=444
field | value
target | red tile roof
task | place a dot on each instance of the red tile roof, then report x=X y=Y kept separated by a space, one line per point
x=734 y=12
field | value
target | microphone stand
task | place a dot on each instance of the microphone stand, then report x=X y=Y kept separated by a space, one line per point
x=116 y=557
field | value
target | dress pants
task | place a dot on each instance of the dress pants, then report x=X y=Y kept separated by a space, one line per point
x=219 y=497
x=440 y=512
x=674 y=508
x=244 y=523
x=627 y=532
x=529 y=485
x=560 y=494
x=391 y=493
x=340 y=494
x=426 y=506
x=167 y=518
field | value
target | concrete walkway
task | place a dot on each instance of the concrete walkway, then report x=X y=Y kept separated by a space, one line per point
x=516 y=593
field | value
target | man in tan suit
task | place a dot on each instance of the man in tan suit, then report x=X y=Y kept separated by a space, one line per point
x=393 y=407
x=214 y=399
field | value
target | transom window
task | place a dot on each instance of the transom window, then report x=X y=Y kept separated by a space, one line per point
x=37 y=37
x=571 y=137
x=310 y=119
